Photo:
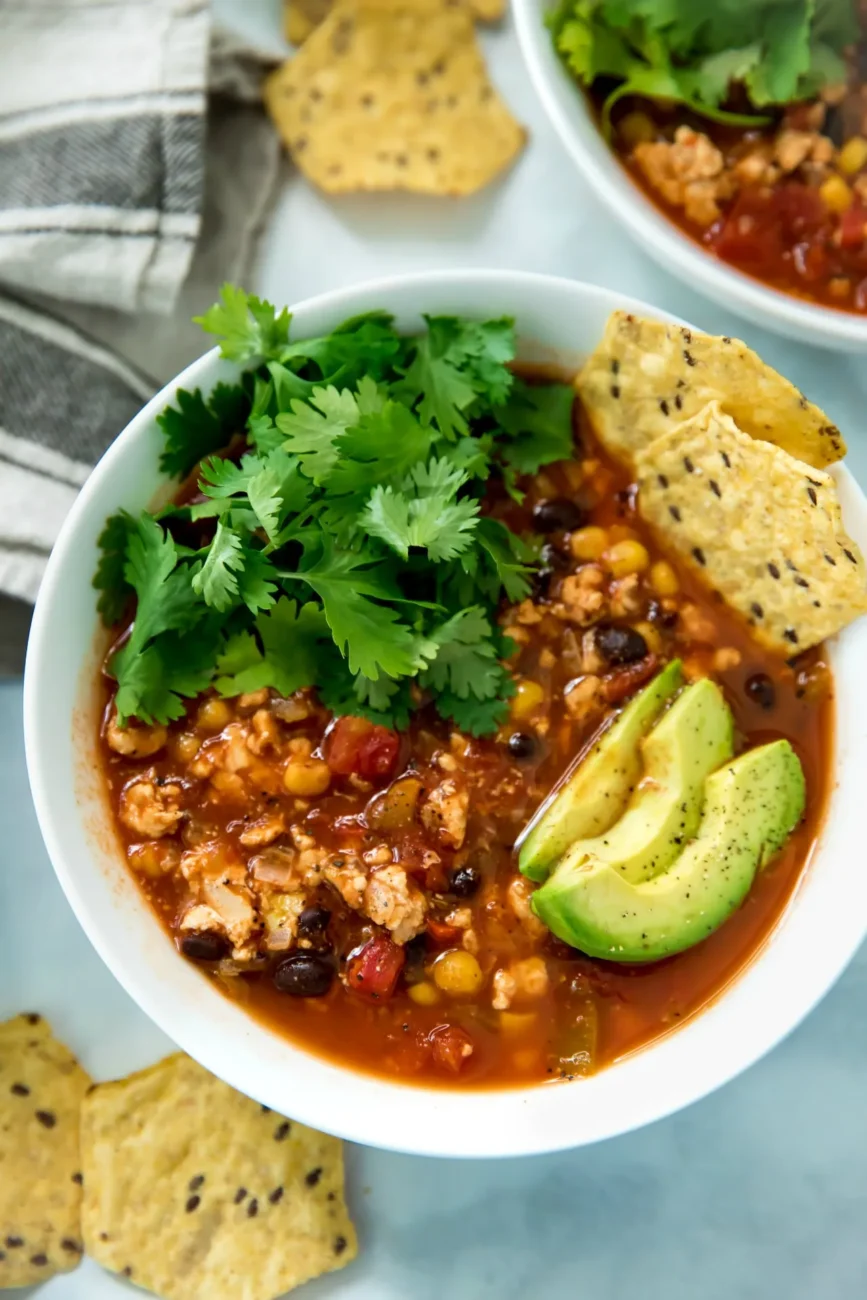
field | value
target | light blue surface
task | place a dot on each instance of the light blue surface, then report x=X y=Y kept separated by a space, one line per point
x=757 y=1193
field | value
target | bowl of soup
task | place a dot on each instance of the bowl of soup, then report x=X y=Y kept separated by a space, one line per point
x=762 y=207
x=403 y=742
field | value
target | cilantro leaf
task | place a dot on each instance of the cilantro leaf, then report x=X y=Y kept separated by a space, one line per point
x=436 y=383
x=217 y=580
x=311 y=428
x=363 y=347
x=272 y=484
x=381 y=447
x=248 y=327
x=154 y=684
x=197 y=427
x=109 y=578
x=507 y=556
x=369 y=634
x=538 y=420
x=257 y=580
x=385 y=701
x=285 y=653
x=425 y=512
x=466 y=661
x=474 y=716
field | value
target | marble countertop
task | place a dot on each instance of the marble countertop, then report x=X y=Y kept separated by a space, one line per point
x=758 y=1192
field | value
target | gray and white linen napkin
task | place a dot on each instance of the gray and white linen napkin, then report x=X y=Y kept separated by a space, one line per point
x=136 y=169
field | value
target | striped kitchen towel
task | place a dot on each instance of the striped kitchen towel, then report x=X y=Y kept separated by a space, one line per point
x=111 y=112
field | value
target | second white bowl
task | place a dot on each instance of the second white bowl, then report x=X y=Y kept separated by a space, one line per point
x=568 y=110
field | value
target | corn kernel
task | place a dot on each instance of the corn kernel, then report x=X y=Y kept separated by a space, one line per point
x=663 y=579
x=458 y=973
x=651 y=636
x=853 y=156
x=626 y=557
x=424 y=994
x=588 y=543
x=527 y=699
x=636 y=128
x=186 y=746
x=306 y=777
x=213 y=715
x=836 y=194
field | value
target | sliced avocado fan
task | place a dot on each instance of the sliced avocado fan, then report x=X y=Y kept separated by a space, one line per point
x=752 y=804
x=694 y=737
x=597 y=792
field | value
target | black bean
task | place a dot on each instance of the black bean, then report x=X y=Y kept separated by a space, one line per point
x=465 y=882
x=204 y=947
x=521 y=744
x=551 y=562
x=552 y=557
x=761 y=690
x=304 y=975
x=620 y=645
x=558 y=515
x=313 y=920
x=834 y=127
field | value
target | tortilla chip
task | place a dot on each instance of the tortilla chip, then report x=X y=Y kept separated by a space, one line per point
x=393 y=95
x=41 y=1087
x=302 y=16
x=763 y=529
x=645 y=377
x=192 y=1190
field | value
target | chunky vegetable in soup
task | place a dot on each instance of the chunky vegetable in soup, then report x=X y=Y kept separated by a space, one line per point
x=356 y=879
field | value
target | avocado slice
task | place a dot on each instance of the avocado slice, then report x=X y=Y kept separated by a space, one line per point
x=751 y=806
x=693 y=739
x=595 y=795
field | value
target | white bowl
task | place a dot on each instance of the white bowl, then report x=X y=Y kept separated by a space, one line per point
x=568 y=110
x=818 y=935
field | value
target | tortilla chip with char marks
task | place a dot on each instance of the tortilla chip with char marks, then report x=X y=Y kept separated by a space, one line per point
x=41 y=1087
x=393 y=95
x=192 y=1190
x=761 y=528
x=645 y=377
x=302 y=16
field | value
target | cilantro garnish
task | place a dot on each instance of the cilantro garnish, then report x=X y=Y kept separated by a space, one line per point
x=337 y=539
x=776 y=51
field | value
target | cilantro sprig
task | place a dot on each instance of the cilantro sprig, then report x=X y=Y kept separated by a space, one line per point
x=775 y=51
x=335 y=536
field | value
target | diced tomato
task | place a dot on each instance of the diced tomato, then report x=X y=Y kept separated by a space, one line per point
x=357 y=745
x=853 y=224
x=451 y=1047
x=373 y=971
x=378 y=754
x=441 y=933
x=798 y=208
x=762 y=224
x=616 y=686
x=748 y=236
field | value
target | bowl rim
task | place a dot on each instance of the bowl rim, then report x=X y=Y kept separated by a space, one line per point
x=686 y=1065
x=650 y=227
